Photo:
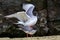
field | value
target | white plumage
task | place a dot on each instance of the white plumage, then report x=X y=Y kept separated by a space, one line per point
x=26 y=18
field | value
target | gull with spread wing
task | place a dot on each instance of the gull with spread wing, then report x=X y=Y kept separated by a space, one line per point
x=26 y=18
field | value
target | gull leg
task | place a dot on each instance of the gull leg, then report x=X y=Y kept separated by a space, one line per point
x=27 y=34
x=30 y=35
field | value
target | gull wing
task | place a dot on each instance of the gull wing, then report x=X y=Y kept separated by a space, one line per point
x=22 y=16
x=29 y=9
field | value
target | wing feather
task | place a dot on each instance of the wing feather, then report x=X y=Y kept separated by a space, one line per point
x=19 y=15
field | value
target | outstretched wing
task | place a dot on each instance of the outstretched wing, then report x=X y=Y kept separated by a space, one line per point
x=22 y=16
x=29 y=9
